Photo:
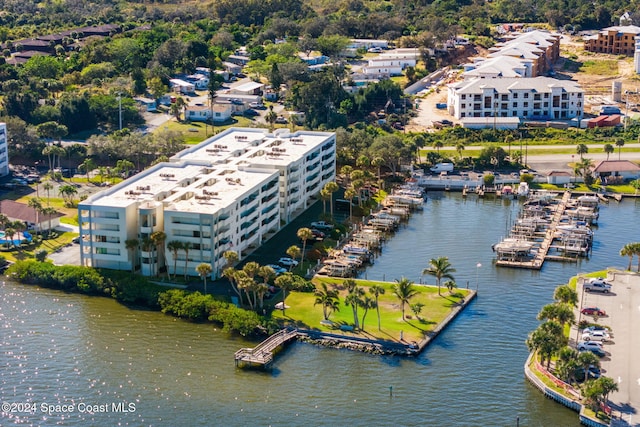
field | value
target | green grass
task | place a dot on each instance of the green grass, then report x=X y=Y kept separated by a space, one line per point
x=28 y=251
x=602 y=67
x=303 y=313
x=194 y=132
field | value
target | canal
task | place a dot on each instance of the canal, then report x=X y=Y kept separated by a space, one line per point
x=97 y=356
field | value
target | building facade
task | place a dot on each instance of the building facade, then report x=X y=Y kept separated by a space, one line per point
x=539 y=98
x=4 y=150
x=231 y=192
x=618 y=40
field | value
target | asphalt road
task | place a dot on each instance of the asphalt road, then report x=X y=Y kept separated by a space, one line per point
x=621 y=363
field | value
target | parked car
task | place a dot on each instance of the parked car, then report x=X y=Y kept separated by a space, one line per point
x=594 y=328
x=288 y=262
x=597 y=285
x=601 y=336
x=593 y=311
x=256 y=105
x=317 y=234
x=277 y=268
x=251 y=112
x=322 y=225
x=593 y=372
x=592 y=346
x=281 y=120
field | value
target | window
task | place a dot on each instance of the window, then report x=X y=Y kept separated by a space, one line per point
x=515 y=96
x=526 y=95
x=463 y=96
x=463 y=106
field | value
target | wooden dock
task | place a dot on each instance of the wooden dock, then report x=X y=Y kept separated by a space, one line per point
x=542 y=253
x=262 y=355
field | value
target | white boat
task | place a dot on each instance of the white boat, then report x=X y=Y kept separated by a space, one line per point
x=523 y=189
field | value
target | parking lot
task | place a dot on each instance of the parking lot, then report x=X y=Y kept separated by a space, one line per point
x=622 y=307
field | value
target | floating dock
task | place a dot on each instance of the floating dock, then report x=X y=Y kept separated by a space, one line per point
x=542 y=254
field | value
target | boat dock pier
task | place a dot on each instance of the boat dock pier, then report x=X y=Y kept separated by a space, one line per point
x=262 y=355
x=513 y=252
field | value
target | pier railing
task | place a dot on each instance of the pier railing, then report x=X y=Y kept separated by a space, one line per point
x=262 y=354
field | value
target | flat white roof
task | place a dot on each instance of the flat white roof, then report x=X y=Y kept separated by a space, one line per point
x=213 y=174
x=248 y=87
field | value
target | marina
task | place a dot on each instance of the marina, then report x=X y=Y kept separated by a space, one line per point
x=166 y=365
x=549 y=229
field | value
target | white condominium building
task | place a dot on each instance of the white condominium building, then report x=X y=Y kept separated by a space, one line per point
x=230 y=192
x=538 y=98
x=4 y=150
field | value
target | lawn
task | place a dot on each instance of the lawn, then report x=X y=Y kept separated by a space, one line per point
x=602 y=67
x=28 y=251
x=194 y=132
x=303 y=313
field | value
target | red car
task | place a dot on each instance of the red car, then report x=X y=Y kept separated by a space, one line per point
x=593 y=311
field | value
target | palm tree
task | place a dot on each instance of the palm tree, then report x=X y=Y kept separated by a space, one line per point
x=284 y=282
x=460 y=148
x=583 y=169
x=404 y=291
x=450 y=285
x=440 y=268
x=159 y=237
x=132 y=245
x=353 y=298
x=267 y=274
x=185 y=247
x=4 y=220
x=324 y=195
x=582 y=149
x=350 y=194
x=19 y=227
x=147 y=246
x=437 y=145
x=87 y=166
x=50 y=212
x=9 y=232
x=619 y=144
x=271 y=117
x=366 y=303
x=36 y=204
x=562 y=313
x=247 y=284
x=547 y=339
x=204 y=269
x=231 y=257
x=377 y=290
x=608 y=148
x=174 y=246
x=231 y=274
x=377 y=162
x=566 y=295
x=67 y=192
x=627 y=250
x=304 y=234
x=294 y=252
x=331 y=187
x=586 y=359
x=48 y=187
x=328 y=299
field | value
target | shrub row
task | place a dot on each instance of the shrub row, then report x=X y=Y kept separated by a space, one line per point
x=132 y=289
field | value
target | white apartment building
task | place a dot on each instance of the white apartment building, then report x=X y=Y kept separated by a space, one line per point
x=538 y=98
x=230 y=192
x=4 y=150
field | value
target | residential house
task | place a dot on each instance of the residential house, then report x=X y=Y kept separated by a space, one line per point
x=182 y=86
x=615 y=171
x=34 y=220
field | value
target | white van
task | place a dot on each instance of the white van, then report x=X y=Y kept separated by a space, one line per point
x=442 y=167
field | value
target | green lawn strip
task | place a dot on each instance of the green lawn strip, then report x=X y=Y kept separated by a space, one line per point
x=194 y=132
x=546 y=380
x=28 y=251
x=305 y=314
x=580 y=187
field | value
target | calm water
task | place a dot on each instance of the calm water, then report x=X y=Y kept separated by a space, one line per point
x=57 y=348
